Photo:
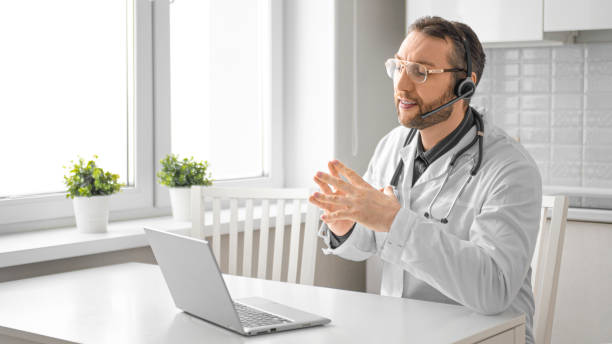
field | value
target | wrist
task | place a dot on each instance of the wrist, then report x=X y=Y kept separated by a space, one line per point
x=391 y=217
x=341 y=233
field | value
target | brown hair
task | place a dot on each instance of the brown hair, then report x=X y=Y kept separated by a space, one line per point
x=456 y=32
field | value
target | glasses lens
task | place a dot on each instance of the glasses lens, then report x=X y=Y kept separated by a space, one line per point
x=393 y=68
x=417 y=72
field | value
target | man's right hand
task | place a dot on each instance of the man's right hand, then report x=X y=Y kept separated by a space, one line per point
x=340 y=227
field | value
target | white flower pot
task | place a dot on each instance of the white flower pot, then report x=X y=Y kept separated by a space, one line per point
x=180 y=198
x=91 y=213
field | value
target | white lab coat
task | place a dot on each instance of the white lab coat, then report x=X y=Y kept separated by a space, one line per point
x=481 y=258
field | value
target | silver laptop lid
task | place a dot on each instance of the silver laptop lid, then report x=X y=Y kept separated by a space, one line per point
x=193 y=277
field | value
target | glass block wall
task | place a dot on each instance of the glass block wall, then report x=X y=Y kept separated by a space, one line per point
x=557 y=101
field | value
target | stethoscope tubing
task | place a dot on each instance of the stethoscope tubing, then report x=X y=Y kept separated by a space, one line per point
x=478 y=138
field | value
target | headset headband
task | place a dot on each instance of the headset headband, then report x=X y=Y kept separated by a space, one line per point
x=468 y=58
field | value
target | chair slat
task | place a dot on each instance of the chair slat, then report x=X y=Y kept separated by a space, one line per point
x=548 y=262
x=294 y=246
x=537 y=261
x=303 y=272
x=233 y=236
x=548 y=201
x=263 y=239
x=216 y=234
x=247 y=255
x=309 y=248
x=279 y=232
x=550 y=270
x=197 y=215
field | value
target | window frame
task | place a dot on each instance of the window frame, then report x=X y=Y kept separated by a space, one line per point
x=152 y=128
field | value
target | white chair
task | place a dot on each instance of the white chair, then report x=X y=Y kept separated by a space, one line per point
x=546 y=263
x=202 y=195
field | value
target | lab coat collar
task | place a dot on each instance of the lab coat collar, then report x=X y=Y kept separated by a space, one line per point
x=439 y=167
x=407 y=154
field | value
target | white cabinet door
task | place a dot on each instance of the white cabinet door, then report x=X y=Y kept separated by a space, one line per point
x=492 y=20
x=570 y=15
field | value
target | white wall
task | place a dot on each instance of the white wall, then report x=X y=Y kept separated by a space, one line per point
x=308 y=87
x=338 y=101
x=368 y=32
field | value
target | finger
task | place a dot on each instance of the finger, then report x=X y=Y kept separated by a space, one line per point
x=327 y=207
x=389 y=192
x=333 y=199
x=329 y=223
x=324 y=186
x=337 y=183
x=343 y=214
x=351 y=175
x=332 y=169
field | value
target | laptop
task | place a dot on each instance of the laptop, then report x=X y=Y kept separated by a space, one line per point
x=197 y=287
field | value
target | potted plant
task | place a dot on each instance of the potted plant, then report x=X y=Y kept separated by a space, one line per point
x=90 y=189
x=179 y=175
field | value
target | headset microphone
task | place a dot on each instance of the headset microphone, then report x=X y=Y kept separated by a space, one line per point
x=429 y=113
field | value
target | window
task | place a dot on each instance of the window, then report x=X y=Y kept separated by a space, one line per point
x=74 y=82
x=65 y=89
x=81 y=77
x=220 y=53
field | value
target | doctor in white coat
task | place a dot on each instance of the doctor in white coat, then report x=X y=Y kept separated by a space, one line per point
x=460 y=222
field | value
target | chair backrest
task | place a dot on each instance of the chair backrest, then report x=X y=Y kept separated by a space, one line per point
x=201 y=195
x=546 y=263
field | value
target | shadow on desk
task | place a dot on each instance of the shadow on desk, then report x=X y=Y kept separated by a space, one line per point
x=210 y=333
x=185 y=327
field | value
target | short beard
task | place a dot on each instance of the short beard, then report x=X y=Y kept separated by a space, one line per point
x=421 y=123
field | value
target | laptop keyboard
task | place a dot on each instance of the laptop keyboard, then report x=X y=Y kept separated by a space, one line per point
x=251 y=317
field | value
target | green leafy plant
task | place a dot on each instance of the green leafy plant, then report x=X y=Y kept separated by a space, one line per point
x=186 y=172
x=86 y=180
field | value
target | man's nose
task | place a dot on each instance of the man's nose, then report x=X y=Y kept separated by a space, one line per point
x=404 y=82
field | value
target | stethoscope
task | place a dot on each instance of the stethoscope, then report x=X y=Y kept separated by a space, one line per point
x=479 y=136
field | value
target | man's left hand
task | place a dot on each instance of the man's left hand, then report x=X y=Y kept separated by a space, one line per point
x=359 y=202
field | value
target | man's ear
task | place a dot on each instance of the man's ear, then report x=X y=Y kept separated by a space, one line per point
x=474 y=77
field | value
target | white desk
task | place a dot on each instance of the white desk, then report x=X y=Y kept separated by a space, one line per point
x=130 y=303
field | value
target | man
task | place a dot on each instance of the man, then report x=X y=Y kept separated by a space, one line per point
x=454 y=229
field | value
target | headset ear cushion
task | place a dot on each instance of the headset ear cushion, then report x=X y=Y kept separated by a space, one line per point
x=465 y=86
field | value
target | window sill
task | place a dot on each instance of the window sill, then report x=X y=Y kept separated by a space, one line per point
x=51 y=244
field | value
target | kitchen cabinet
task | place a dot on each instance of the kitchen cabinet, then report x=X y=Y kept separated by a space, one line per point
x=523 y=22
x=572 y=15
x=492 y=20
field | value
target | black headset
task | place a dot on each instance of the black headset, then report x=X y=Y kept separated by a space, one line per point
x=464 y=89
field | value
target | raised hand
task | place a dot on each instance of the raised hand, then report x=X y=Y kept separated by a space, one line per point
x=339 y=227
x=353 y=201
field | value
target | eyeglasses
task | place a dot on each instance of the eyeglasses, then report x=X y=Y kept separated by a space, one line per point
x=416 y=71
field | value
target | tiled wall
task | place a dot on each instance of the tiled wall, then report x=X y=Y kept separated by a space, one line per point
x=558 y=102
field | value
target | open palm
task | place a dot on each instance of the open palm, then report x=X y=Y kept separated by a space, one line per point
x=339 y=227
